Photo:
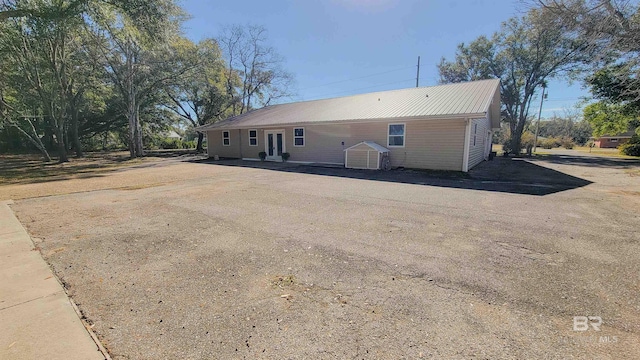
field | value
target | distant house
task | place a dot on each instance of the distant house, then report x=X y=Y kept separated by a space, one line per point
x=445 y=127
x=613 y=141
x=172 y=134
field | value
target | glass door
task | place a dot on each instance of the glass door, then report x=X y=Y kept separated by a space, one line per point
x=274 y=144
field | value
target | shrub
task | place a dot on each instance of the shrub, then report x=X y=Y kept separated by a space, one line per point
x=547 y=144
x=550 y=143
x=262 y=155
x=286 y=156
x=631 y=148
x=189 y=144
x=506 y=148
x=567 y=143
x=171 y=144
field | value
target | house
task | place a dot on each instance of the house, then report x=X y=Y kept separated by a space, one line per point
x=172 y=134
x=445 y=127
x=613 y=141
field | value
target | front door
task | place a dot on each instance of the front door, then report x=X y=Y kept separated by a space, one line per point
x=274 y=144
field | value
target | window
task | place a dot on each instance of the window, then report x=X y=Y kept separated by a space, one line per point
x=253 y=137
x=396 y=135
x=614 y=140
x=475 y=133
x=226 y=138
x=298 y=137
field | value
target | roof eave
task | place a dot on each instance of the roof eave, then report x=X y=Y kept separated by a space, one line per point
x=351 y=121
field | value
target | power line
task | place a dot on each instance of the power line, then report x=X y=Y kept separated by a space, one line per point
x=358 y=78
x=567 y=99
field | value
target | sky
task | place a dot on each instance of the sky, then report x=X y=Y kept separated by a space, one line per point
x=344 y=47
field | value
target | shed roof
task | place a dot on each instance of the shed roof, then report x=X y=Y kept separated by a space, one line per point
x=475 y=98
x=372 y=145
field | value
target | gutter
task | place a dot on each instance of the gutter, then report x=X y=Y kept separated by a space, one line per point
x=333 y=122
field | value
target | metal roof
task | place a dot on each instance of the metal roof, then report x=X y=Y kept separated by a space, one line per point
x=473 y=98
x=370 y=144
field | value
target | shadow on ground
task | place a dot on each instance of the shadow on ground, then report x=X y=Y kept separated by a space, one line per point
x=586 y=160
x=31 y=169
x=505 y=175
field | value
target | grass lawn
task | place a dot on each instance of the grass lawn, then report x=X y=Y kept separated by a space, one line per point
x=23 y=169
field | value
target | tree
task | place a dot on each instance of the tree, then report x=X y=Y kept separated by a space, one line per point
x=524 y=54
x=139 y=65
x=618 y=107
x=43 y=50
x=566 y=126
x=611 y=30
x=262 y=79
x=200 y=97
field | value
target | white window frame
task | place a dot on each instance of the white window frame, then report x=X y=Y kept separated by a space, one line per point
x=253 y=137
x=228 y=138
x=613 y=140
x=303 y=137
x=404 y=135
x=475 y=133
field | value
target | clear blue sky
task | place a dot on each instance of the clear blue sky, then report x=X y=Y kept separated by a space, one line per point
x=343 y=47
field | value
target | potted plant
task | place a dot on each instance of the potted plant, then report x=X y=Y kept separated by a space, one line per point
x=262 y=155
x=285 y=156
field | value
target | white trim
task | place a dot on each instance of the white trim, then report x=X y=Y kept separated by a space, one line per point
x=475 y=133
x=250 y=137
x=304 y=136
x=364 y=121
x=250 y=159
x=266 y=143
x=226 y=138
x=346 y=158
x=368 y=152
x=404 y=135
x=467 y=140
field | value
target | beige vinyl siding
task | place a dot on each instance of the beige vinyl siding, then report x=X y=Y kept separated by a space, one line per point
x=215 y=147
x=478 y=152
x=429 y=144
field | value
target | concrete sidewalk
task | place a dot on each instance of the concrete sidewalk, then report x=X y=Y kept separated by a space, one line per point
x=37 y=319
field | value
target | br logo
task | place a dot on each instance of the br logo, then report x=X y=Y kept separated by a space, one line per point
x=581 y=323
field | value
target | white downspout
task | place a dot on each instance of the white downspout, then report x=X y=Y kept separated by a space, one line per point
x=467 y=139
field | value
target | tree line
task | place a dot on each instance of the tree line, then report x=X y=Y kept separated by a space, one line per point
x=594 y=41
x=92 y=74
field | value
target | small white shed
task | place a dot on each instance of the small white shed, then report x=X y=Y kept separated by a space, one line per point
x=366 y=155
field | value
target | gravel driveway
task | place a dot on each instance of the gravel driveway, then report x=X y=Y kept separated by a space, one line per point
x=212 y=261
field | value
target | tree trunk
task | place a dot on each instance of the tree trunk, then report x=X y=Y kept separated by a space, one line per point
x=516 y=137
x=34 y=139
x=76 y=139
x=131 y=108
x=199 y=148
x=62 y=148
x=139 y=145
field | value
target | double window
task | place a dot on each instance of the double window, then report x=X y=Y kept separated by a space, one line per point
x=396 y=135
x=226 y=138
x=298 y=137
x=253 y=137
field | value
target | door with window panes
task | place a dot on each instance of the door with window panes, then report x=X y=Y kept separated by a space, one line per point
x=274 y=144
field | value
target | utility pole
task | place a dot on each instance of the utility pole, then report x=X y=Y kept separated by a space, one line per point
x=544 y=96
x=418 y=74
